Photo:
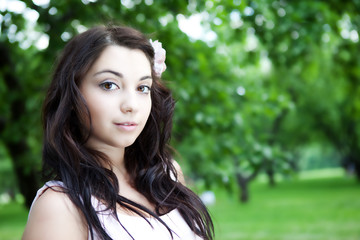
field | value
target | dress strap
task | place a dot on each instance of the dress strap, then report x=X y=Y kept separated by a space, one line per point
x=47 y=185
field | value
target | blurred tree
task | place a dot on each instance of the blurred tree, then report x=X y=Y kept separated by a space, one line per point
x=283 y=84
x=264 y=79
x=18 y=101
x=25 y=67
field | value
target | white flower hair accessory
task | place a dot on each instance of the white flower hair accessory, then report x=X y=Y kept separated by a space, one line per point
x=159 y=58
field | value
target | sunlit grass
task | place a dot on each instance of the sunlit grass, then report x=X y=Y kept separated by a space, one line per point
x=13 y=217
x=326 y=208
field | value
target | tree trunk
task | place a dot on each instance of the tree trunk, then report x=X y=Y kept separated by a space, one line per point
x=357 y=170
x=18 y=148
x=243 y=184
x=351 y=164
x=243 y=181
x=26 y=175
x=271 y=176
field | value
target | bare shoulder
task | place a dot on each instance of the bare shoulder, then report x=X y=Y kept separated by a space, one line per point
x=54 y=216
x=179 y=172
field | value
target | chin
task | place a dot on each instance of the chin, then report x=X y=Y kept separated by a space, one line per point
x=127 y=144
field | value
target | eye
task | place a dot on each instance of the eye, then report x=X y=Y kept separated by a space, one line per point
x=109 y=86
x=144 y=89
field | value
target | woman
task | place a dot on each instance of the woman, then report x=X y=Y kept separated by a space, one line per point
x=107 y=122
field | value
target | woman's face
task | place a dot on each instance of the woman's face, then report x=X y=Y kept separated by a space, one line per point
x=117 y=92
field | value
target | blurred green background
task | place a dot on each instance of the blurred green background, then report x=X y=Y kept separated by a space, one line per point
x=267 y=115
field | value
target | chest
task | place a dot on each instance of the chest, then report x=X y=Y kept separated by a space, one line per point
x=135 y=227
x=133 y=195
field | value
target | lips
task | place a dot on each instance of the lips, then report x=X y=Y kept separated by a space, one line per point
x=126 y=126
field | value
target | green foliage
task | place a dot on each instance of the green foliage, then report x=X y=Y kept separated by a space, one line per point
x=280 y=76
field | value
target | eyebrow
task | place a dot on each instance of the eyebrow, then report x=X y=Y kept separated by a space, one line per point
x=119 y=74
x=109 y=71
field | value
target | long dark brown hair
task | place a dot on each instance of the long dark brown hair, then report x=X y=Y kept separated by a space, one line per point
x=148 y=161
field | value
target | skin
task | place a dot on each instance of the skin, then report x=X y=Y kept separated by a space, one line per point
x=117 y=90
x=54 y=216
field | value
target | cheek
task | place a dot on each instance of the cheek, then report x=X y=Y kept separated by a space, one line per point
x=99 y=109
x=93 y=109
x=146 y=110
x=149 y=108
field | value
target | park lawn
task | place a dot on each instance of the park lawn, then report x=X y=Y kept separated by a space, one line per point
x=327 y=208
x=13 y=217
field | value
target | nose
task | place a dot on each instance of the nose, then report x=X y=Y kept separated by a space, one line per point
x=129 y=103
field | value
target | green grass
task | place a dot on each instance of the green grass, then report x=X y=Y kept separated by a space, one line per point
x=327 y=208
x=13 y=218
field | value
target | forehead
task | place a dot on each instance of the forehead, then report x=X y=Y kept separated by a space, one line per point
x=124 y=60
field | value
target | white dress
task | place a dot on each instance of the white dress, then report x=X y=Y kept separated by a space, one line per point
x=138 y=227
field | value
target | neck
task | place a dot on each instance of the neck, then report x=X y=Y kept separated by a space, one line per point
x=116 y=158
